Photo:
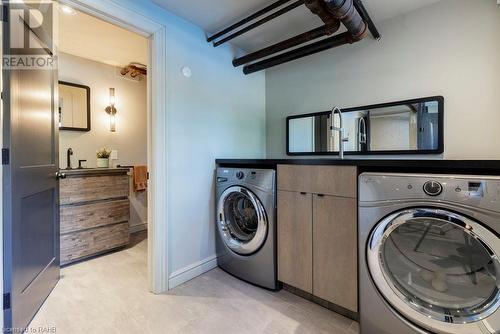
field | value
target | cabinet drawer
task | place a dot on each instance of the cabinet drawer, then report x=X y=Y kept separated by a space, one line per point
x=93 y=188
x=295 y=239
x=78 y=245
x=328 y=180
x=81 y=217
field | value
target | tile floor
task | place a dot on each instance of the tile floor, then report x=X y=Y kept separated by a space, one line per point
x=109 y=294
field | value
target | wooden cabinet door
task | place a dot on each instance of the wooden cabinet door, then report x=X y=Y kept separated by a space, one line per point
x=295 y=239
x=335 y=250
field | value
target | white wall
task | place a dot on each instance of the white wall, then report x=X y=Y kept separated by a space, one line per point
x=217 y=113
x=450 y=48
x=130 y=138
x=303 y=139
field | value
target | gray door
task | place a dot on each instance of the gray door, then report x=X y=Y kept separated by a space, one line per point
x=30 y=187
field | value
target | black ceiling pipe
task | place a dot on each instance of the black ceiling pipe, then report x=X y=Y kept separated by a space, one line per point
x=325 y=44
x=364 y=13
x=346 y=12
x=261 y=22
x=286 y=44
x=248 y=19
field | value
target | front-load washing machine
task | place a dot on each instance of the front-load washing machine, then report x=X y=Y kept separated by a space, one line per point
x=429 y=252
x=246 y=224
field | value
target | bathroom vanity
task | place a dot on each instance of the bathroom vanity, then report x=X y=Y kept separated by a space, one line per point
x=94 y=212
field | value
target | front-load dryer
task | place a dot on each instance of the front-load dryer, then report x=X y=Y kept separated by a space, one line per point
x=429 y=252
x=246 y=224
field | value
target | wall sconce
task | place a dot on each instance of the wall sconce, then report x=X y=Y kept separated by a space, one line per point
x=111 y=110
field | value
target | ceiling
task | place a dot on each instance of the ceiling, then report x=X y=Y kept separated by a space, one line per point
x=212 y=15
x=85 y=36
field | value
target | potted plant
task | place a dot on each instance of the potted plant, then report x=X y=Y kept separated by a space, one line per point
x=103 y=157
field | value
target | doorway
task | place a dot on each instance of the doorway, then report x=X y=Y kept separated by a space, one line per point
x=157 y=219
x=156 y=32
x=102 y=112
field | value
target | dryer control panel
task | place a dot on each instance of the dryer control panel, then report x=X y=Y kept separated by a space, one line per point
x=477 y=191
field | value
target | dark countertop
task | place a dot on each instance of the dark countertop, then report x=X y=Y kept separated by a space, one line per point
x=482 y=167
x=94 y=171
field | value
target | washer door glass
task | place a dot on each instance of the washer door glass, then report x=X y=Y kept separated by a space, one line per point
x=436 y=263
x=242 y=220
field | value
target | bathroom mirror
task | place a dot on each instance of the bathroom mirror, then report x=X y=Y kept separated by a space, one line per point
x=404 y=127
x=74 y=107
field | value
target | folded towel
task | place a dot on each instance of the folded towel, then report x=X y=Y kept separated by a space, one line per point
x=140 y=178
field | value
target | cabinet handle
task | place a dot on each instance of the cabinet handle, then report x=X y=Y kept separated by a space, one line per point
x=303 y=193
x=321 y=195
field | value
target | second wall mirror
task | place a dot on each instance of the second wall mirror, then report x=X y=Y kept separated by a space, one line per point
x=74 y=107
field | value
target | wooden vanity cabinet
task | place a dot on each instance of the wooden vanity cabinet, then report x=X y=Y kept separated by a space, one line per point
x=94 y=213
x=317 y=231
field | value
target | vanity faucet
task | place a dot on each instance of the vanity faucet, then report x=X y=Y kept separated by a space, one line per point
x=69 y=153
x=340 y=130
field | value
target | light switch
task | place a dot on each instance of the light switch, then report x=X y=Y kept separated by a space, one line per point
x=114 y=155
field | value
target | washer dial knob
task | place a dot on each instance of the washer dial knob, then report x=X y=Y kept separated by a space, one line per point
x=240 y=175
x=433 y=188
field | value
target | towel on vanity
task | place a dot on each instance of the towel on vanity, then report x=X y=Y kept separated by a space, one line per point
x=140 y=178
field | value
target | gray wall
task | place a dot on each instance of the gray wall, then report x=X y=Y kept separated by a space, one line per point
x=450 y=48
x=130 y=138
x=217 y=113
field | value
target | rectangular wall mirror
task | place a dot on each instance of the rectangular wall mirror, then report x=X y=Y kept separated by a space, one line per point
x=404 y=127
x=74 y=107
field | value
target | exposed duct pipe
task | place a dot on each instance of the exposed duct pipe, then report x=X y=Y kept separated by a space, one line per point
x=366 y=17
x=260 y=22
x=248 y=19
x=340 y=10
x=351 y=13
x=346 y=12
x=286 y=44
x=318 y=8
x=325 y=44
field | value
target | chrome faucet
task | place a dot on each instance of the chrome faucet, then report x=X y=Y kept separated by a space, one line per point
x=69 y=153
x=340 y=130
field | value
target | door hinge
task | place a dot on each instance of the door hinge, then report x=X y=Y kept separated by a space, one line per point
x=5 y=156
x=6 y=301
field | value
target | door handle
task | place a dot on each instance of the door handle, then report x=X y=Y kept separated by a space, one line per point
x=60 y=175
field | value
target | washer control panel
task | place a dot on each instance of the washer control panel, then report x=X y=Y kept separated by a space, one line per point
x=264 y=179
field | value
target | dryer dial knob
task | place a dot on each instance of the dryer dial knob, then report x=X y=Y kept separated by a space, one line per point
x=240 y=175
x=433 y=188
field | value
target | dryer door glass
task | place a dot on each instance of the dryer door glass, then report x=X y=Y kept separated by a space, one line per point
x=242 y=220
x=442 y=265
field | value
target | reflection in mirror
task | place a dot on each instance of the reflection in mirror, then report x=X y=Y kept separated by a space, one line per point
x=413 y=126
x=74 y=107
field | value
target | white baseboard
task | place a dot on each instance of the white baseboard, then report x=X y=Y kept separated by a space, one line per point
x=138 y=227
x=189 y=272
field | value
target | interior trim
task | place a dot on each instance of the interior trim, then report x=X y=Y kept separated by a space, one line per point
x=191 y=271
